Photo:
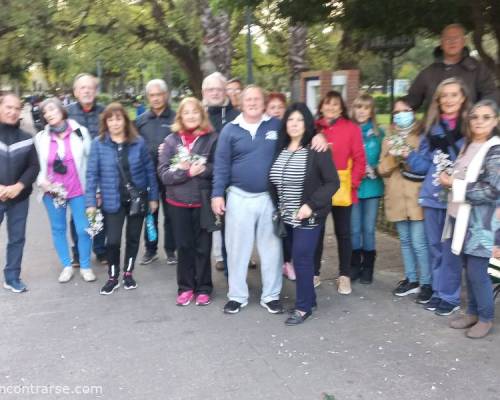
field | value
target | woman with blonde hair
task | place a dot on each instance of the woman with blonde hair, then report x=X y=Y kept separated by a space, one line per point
x=444 y=128
x=185 y=168
x=121 y=167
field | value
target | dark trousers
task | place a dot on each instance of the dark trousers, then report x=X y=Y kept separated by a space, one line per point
x=479 y=288
x=168 y=238
x=98 y=241
x=194 y=244
x=303 y=243
x=114 y=227
x=17 y=214
x=287 y=250
x=342 y=226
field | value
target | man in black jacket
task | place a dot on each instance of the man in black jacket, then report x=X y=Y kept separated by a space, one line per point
x=18 y=170
x=154 y=127
x=452 y=60
x=86 y=112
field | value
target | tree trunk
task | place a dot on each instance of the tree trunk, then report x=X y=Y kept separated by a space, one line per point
x=347 y=57
x=297 y=57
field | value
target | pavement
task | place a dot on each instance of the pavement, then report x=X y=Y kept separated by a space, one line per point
x=65 y=341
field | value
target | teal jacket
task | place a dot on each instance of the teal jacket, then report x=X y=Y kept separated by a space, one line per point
x=372 y=142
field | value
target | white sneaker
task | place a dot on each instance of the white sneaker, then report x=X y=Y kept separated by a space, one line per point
x=87 y=274
x=344 y=283
x=66 y=275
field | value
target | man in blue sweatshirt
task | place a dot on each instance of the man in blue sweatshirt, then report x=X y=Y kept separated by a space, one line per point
x=243 y=158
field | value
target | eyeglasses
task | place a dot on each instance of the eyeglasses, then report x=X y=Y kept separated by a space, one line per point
x=401 y=111
x=233 y=90
x=485 y=118
x=213 y=89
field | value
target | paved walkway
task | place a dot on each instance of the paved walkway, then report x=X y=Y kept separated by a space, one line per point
x=139 y=345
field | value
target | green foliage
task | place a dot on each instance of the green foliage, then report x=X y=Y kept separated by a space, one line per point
x=382 y=103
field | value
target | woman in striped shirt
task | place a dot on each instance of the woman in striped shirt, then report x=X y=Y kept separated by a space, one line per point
x=302 y=183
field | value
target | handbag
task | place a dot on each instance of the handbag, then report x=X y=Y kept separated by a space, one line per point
x=138 y=198
x=279 y=225
x=343 y=196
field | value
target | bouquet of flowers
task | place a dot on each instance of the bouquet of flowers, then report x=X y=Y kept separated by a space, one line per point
x=96 y=222
x=59 y=194
x=443 y=164
x=370 y=172
x=398 y=145
x=183 y=155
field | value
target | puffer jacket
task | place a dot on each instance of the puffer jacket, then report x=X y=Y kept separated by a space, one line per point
x=221 y=115
x=476 y=76
x=181 y=188
x=88 y=119
x=103 y=172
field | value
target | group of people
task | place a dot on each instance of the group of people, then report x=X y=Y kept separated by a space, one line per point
x=242 y=168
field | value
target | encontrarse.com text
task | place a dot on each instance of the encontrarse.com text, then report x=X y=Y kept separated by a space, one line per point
x=50 y=390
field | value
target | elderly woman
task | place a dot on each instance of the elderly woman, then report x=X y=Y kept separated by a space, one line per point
x=63 y=147
x=475 y=189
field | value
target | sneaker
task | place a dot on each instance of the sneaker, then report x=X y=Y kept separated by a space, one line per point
x=344 y=285
x=148 y=258
x=316 y=281
x=233 y=307
x=405 y=287
x=184 y=298
x=219 y=265
x=425 y=294
x=171 y=259
x=102 y=259
x=433 y=304
x=110 y=286
x=87 y=274
x=65 y=275
x=203 y=299
x=16 y=286
x=273 y=306
x=446 y=308
x=129 y=282
x=289 y=271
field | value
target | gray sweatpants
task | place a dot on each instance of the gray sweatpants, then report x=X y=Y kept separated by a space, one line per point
x=249 y=220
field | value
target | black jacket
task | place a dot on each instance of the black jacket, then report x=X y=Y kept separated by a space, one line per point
x=89 y=120
x=476 y=76
x=320 y=183
x=154 y=129
x=18 y=159
x=221 y=115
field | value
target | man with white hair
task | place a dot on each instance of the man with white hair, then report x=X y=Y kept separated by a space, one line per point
x=86 y=112
x=154 y=127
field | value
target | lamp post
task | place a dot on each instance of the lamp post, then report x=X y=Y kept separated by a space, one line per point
x=248 y=18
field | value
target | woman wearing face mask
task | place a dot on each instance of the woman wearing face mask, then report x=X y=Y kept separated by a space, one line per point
x=185 y=182
x=302 y=183
x=444 y=129
x=472 y=216
x=63 y=147
x=364 y=213
x=401 y=198
x=348 y=155
x=120 y=165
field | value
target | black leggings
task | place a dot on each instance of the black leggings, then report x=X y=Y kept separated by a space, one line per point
x=114 y=227
x=342 y=226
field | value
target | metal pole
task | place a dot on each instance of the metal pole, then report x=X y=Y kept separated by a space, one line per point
x=248 y=17
x=391 y=76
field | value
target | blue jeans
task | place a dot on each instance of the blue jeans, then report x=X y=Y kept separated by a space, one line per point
x=58 y=224
x=363 y=224
x=414 y=250
x=17 y=213
x=303 y=244
x=479 y=288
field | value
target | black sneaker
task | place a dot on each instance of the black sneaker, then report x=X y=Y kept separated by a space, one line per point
x=110 y=286
x=446 y=308
x=425 y=294
x=148 y=258
x=433 y=304
x=405 y=288
x=273 y=306
x=102 y=258
x=129 y=282
x=233 y=307
x=171 y=259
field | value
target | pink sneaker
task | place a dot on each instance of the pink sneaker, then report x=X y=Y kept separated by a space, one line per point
x=288 y=271
x=203 y=299
x=185 y=298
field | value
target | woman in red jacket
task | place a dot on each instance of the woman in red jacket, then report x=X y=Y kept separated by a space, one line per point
x=346 y=144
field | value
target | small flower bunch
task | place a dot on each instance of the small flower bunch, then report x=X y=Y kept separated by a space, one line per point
x=443 y=164
x=398 y=145
x=59 y=194
x=96 y=222
x=183 y=155
x=370 y=172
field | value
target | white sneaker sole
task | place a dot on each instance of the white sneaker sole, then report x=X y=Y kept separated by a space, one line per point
x=106 y=294
x=129 y=287
x=235 y=311
x=411 y=291
x=154 y=258
x=269 y=309
x=13 y=289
